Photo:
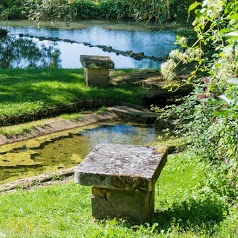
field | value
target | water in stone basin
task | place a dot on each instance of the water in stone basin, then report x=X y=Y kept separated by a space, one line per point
x=68 y=149
x=42 y=52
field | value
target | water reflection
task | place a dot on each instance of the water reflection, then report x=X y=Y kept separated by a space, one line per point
x=18 y=52
x=151 y=43
x=68 y=151
x=121 y=133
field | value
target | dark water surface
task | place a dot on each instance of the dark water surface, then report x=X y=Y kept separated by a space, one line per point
x=68 y=151
x=36 y=52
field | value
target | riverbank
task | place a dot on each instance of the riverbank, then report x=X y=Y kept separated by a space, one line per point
x=81 y=9
x=33 y=94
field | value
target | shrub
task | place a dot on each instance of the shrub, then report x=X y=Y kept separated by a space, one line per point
x=209 y=122
x=11 y=9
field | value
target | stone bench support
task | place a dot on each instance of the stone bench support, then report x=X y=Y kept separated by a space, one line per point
x=96 y=69
x=123 y=179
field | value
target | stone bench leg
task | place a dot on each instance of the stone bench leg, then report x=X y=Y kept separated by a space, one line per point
x=96 y=77
x=110 y=203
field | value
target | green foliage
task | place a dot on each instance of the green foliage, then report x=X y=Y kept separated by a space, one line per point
x=115 y=9
x=144 y=10
x=208 y=116
x=86 y=9
x=52 y=10
x=11 y=9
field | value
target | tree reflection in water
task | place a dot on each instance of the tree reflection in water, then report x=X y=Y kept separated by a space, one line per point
x=26 y=53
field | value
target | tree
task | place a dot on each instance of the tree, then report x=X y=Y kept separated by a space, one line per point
x=50 y=10
x=141 y=10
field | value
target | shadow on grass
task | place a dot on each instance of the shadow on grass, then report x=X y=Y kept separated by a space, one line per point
x=58 y=86
x=194 y=215
x=33 y=94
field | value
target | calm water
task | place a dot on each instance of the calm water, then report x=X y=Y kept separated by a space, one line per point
x=66 y=55
x=68 y=151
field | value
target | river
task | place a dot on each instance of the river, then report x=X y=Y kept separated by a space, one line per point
x=61 y=46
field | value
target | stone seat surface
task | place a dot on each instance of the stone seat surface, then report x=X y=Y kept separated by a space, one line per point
x=118 y=166
x=94 y=61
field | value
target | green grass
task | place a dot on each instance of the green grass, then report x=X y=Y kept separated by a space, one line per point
x=29 y=91
x=64 y=210
x=72 y=116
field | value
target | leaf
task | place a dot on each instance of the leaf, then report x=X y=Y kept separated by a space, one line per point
x=193 y=6
x=226 y=113
x=231 y=34
x=233 y=17
x=235 y=101
x=225 y=30
x=232 y=81
x=224 y=98
x=210 y=101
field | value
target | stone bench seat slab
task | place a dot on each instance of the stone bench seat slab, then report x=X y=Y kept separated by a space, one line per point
x=118 y=166
x=95 y=62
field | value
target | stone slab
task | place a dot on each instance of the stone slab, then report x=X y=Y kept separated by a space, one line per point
x=110 y=203
x=95 y=61
x=118 y=166
x=98 y=77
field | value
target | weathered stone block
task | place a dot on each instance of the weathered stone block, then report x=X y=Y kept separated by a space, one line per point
x=96 y=69
x=123 y=179
x=110 y=203
x=96 y=77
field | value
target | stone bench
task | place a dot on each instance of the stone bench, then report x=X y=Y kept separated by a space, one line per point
x=96 y=69
x=123 y=179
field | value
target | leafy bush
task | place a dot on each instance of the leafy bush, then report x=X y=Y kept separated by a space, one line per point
x=11 y=9
x=209 y=122
x=115 y=9
x=86 y=9
x=140 y=10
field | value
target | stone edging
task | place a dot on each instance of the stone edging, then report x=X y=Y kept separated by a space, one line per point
x=38 y=180
x=138 y=114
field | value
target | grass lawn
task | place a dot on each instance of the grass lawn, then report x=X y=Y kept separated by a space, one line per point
x=64 y=210
x=28 y=91
x=184 y=205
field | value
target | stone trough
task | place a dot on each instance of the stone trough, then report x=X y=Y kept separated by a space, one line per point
x=123 y=179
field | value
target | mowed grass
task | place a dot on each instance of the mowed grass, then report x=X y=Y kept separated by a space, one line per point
x=27 y=91
x=64 y=210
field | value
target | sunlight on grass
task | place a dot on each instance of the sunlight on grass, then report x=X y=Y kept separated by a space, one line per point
x=73 y=116
x=28 y=91
x=64 y=210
